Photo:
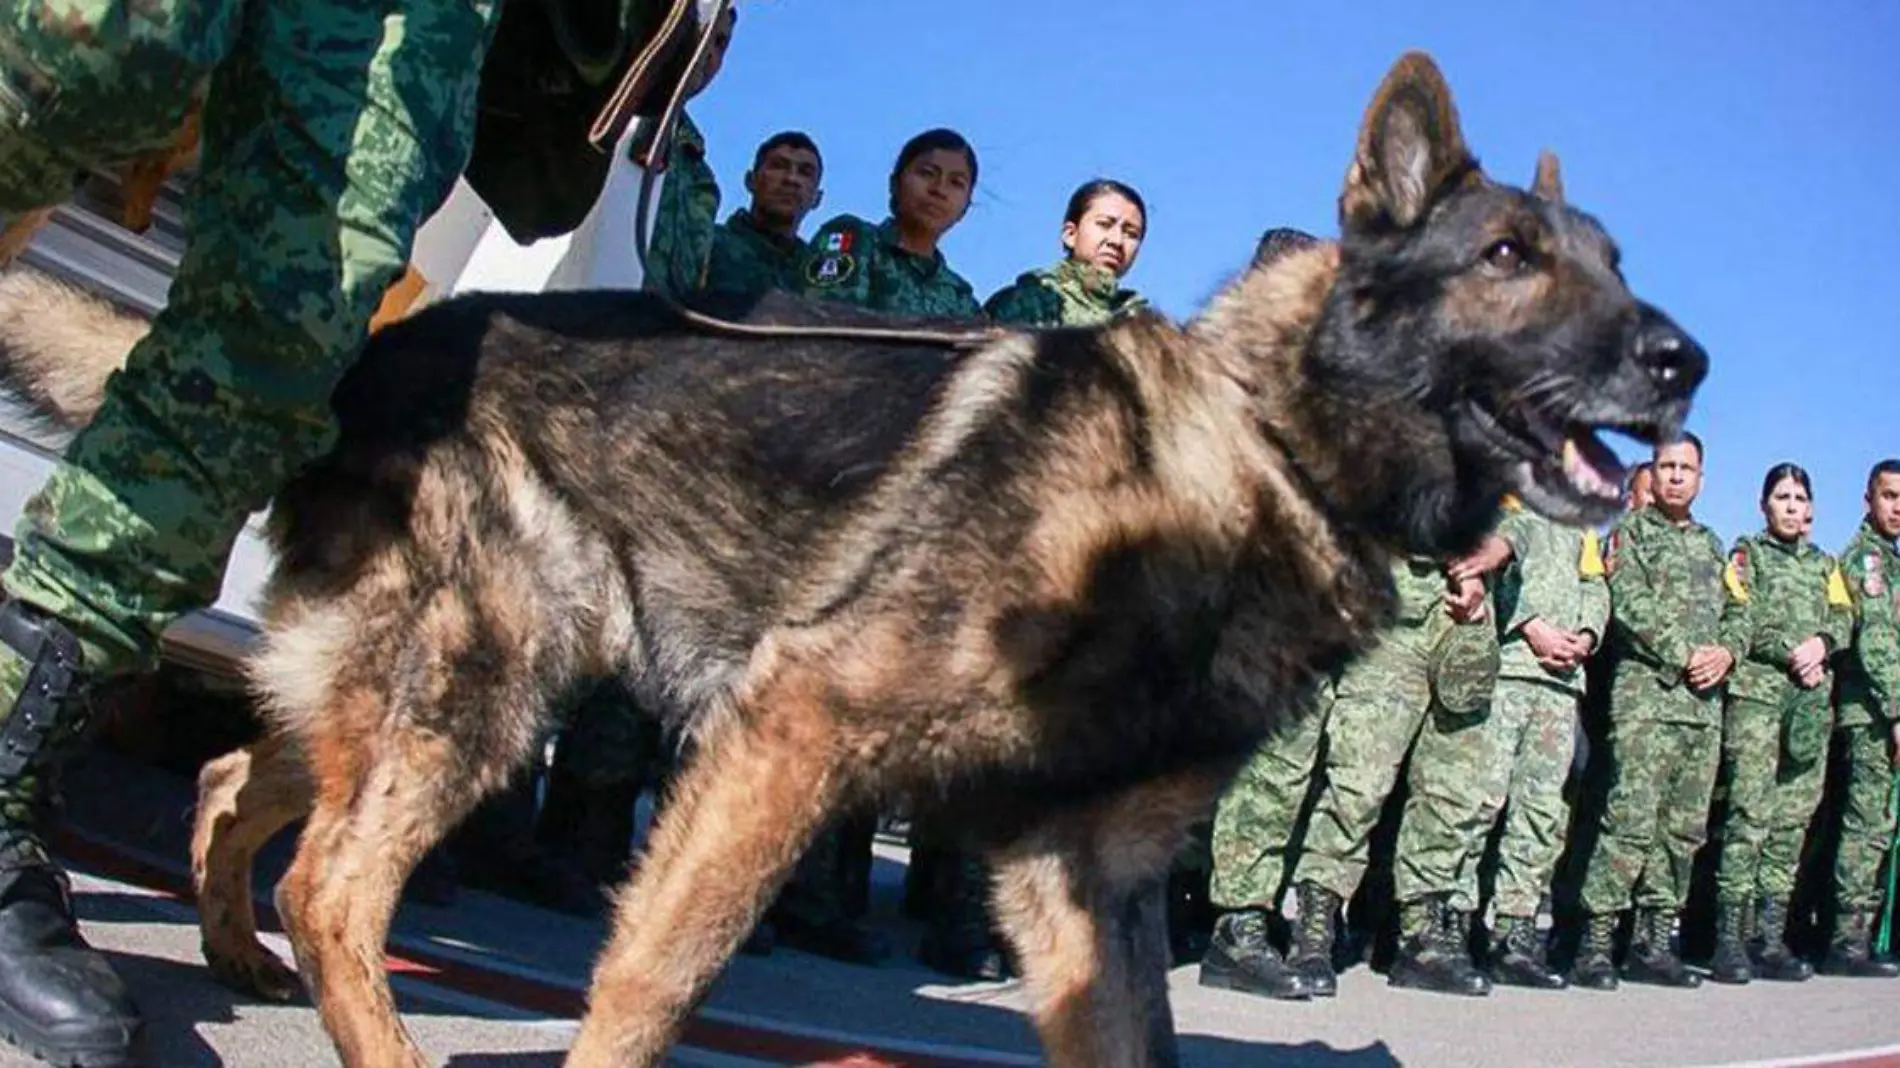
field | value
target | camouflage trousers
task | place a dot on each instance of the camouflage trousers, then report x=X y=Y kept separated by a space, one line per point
x=1378 y=705
x=1662 y=778
x=331 y=129
x=1771 y=800
x=1867 y=817
x=1464 y=773
x=1257 y=820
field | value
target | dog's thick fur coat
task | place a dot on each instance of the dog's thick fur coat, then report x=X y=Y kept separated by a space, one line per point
x=1060 y=583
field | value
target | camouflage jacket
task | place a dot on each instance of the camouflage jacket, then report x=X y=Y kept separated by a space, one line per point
x=1667 y=596
x=684 y=216
x=1421 y=585
x=1870 y=672
x=1068 y=294
x=853 y=261
x=1785 y=594
x=1556 y=575
x=747 y=261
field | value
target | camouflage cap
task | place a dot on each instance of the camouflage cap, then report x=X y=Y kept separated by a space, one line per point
x=1463 y=666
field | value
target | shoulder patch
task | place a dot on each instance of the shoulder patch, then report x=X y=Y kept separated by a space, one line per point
x=1873 y=583
x=1837 y=589
x=1590 y=562
x=832 y=268
x=1616 y=546
x=1732 y=576
x=1510 y=503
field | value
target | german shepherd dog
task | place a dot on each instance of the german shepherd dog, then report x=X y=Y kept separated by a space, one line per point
x=1054 y=585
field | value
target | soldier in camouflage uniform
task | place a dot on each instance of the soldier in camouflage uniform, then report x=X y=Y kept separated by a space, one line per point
x=1869 y=727
x=1795 y=614
x=1102 y=232
x=1672 y=644
x=1553 y=609
x=758 y=248
x=1257 y=821
x=1379 y=702
x=896 y=266
x=330 y=131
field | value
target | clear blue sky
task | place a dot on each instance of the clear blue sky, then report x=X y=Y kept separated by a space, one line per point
x=1746 y=156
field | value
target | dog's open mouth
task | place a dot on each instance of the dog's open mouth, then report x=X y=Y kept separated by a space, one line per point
x=1560 y=467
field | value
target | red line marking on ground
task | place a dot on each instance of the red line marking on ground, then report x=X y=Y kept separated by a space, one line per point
x=521 y=992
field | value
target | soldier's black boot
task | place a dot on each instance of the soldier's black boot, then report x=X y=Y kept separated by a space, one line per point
x=59 y=998
x=1595 y=966
x=1313 y=939
x=1240 y=956
x=959 y=941
x=1434 y=950
x=1519 y=958
x=1852 y=953
x=1772 y=957
x=1730 y=963
x=1652 y=957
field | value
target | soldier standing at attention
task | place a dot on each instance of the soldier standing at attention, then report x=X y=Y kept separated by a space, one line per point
x=758 y=248
x=1671 y=646
x=895 y=266
x=1102 y=232
x=1424 y=661
x=1869 y=725
x=1553 y=610
x=1796 y=615
x=1256 y=823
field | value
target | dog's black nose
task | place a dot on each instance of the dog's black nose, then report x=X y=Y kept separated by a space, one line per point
x=1673 y=360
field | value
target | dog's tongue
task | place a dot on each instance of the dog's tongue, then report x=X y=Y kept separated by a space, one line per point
x=1590 y=465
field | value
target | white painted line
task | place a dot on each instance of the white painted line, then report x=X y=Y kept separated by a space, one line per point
x=1844 y=1057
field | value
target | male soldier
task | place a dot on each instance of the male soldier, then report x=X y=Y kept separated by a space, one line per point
x=330 y=131
x=757 y=248
x=1379 y=701
x=1868 y=722
x=1252 y=845
x=1672 y=643
x=1641 y=489
x=1553 y=608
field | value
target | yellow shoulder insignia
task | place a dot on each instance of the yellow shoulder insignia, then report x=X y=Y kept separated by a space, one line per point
x=1590 y=564
x=1837 y=590
x=1732 y=575
x=1510 y=503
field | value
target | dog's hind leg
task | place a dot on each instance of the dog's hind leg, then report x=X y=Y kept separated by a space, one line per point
x=244 y=798
x=742 y=811
x=1080 y=899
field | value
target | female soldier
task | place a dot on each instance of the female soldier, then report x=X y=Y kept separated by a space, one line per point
x=896 y=265
x=1102 y=232
x=1775 y=727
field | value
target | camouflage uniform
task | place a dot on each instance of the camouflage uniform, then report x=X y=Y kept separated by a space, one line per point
x=1068 y=294
x=748 y=260
x=1517 y=757
x=1869 y=706
x=1774 y=735
x=1667 y=597
x=330 y=131
x=1253 y=845
x=684 y=217
x=851 y=260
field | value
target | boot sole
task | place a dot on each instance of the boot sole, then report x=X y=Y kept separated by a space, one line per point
x=1219 y=979
x=1411 y=983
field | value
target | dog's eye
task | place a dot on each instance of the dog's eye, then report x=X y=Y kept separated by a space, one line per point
x=1506 y=256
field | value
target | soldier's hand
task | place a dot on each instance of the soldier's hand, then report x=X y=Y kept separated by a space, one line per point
x=1546 y=641
x=1492 y=553
x=1709 y=665
x=1894 y=753
x=1465 y=600
x=1811 y=677
x=1809 y=656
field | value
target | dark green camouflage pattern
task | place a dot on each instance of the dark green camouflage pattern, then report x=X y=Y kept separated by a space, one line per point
x=1869 y=705
x=1556 y=574
x=684 y=216
x=747 y=261
x=331 y=130
x=1253 y=844
x=1867 y=817
x=852 y=261
x=1067 y=294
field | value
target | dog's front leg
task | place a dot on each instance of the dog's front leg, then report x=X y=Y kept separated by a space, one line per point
x=743 y=810
x=1080 y=898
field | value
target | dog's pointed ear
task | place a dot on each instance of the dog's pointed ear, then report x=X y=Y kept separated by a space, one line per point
x=1550 y=182
x=1410 y=149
